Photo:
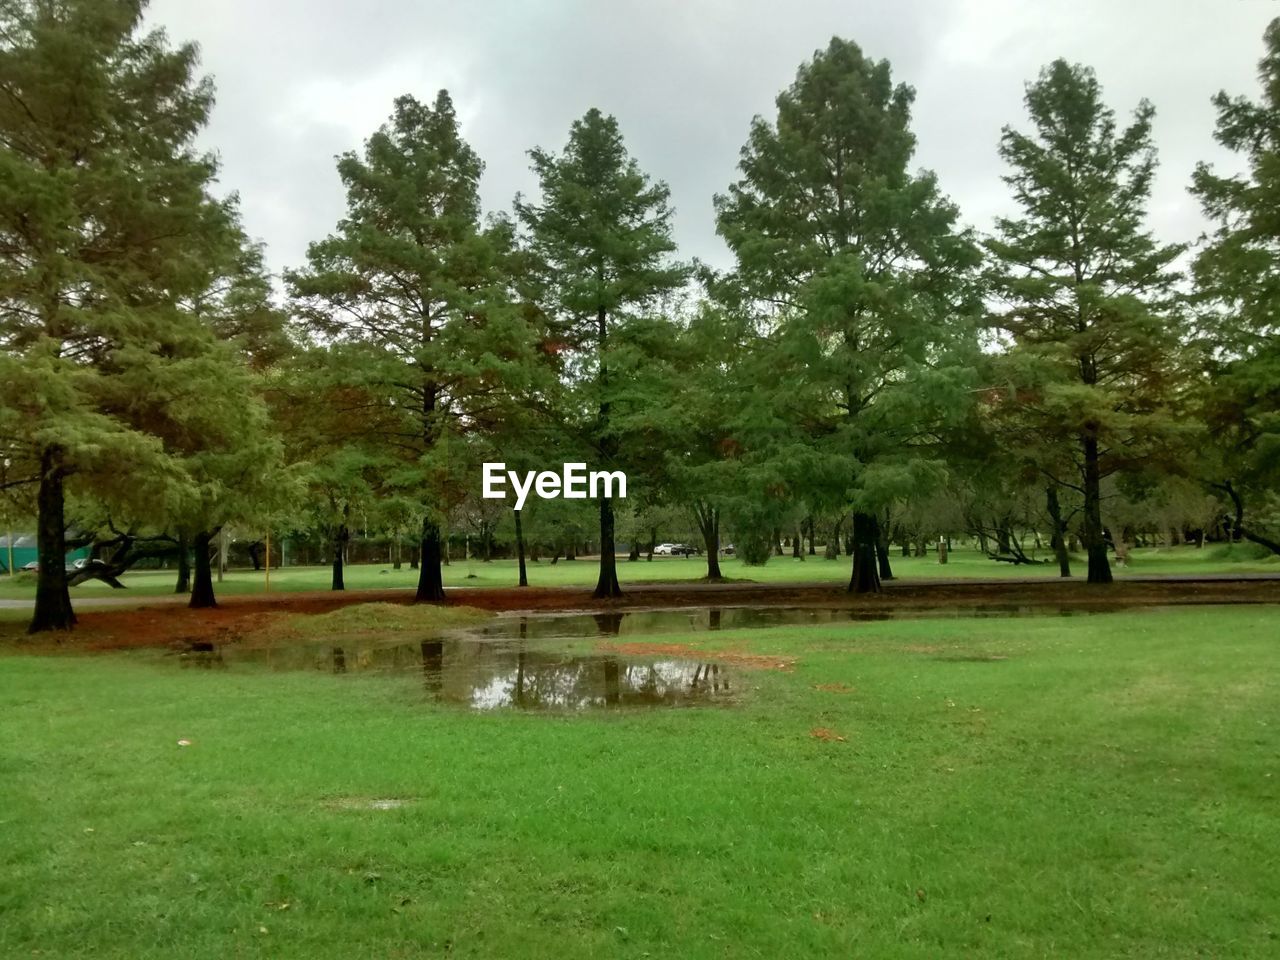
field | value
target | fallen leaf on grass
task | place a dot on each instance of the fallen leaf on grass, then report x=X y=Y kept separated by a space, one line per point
x=833 y=687
x=826 y=733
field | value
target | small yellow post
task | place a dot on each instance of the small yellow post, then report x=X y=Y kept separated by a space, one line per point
x=267 y=587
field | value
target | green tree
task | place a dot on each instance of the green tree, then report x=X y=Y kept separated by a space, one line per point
x=106 y=225
x=601 y=251
x=864 y=283
x=414 y=293
x=1237 y=274
x=1087 y=291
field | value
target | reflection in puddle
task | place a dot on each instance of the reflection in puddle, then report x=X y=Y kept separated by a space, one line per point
x=698 y=619
x=514 y=661
x=485 y=675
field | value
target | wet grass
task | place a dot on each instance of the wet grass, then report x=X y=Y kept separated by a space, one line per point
x=962 y=563
x=1108 y=789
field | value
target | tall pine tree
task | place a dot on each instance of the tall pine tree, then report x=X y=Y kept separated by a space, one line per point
x=865 y=281
x=1238 y=276
x=107 y=226
x=601 y=248
x=414 y=290
x=1086 y=288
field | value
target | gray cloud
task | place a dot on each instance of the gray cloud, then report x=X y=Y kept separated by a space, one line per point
x=299 y=82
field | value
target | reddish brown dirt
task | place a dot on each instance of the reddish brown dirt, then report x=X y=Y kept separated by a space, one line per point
x=160 y=625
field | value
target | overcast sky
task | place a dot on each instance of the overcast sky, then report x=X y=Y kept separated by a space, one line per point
x=300 y=81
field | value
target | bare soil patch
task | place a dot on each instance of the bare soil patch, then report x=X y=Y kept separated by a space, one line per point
x=158 y=626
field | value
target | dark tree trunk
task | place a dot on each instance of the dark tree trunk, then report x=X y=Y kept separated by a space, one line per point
x=1095 y=543
x=414 y=550
x=202 y=587
x=709 y=524
x=813 y=548
x=184 y=564
x=524 y=574
x=1003 y=546
x=53 y=599
x=797 y=552
x=882 y=549
x=340 y=537
x=833 y=541
x=777 y=541
x=430 y=576
x=634 y=553
x=396 y=548
x=255 y=555
x=1238 y=529
x=653 y=542
x=865 y=577
x=607 y=584
x=1058 y=537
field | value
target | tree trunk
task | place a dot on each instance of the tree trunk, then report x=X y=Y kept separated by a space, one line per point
x=1238 y=529
x=797 y=552
x=653 y=542
x=833 y=541
x=777 y=541
x=709 y=524
x=340 y=538
x=184 y=564
x=53 y=599
x=430 y=576
x=882 y=549
x=524 y=574
x=1058 y=538
x=1094 y=542
x=865 y=577
x=202 y=588
x=813 y=548
x=607 y=584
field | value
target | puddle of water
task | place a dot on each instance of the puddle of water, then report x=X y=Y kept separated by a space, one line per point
x=492 y=674
x=511 y=661
x=698 y=619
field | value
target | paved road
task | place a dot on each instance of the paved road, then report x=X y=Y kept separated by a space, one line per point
x=123 y=599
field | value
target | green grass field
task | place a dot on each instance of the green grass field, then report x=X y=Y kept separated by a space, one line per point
x=1111 y=788
x=964 y=562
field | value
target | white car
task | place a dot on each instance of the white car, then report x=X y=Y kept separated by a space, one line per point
x=664 y=549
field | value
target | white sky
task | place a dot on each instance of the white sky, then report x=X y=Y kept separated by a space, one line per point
x=302 y=80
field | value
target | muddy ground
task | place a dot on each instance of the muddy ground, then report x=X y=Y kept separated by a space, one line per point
x=162 y=625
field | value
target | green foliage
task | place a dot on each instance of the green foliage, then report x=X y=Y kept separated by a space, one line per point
x=1087 y=291
x=412 y=295
x=859 y=279
x=121 y=276
x=1239 y=282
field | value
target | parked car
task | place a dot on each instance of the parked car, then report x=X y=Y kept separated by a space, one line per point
x=31 y=567
x=683 y=550
x=729 y=550
x=664 y=549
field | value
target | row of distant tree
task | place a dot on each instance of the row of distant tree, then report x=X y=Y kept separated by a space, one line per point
x=868 y=365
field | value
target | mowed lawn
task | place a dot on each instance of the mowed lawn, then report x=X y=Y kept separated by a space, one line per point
x=962 y=563
x=1089 y=786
